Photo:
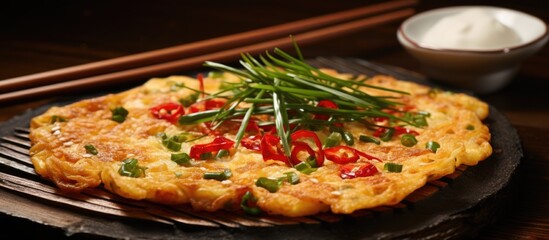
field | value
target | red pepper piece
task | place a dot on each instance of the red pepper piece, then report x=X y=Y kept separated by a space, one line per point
x=345 y=154
x=379 y=132
x=403 y=130
x=367 y=156
x=341 y=154
x=298 y=148
x=200 y=79
x=209 y=104
x=217 y=144
x=271 y=149
x=252 y=142
x=380 y=119
x=300 y=135
x=168 y=111
x=349 y=171
x=326 y=104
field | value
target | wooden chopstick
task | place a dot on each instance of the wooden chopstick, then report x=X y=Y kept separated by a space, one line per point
x=195 y=48
x=195 y=62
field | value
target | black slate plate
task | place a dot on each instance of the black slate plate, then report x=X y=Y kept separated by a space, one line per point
x=466 y=205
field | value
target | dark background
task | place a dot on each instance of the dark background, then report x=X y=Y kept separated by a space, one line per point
x=36 y=36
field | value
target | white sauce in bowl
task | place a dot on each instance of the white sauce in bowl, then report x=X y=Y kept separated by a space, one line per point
x=473 y=29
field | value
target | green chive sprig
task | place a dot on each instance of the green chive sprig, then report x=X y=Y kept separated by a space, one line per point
x=288 y=89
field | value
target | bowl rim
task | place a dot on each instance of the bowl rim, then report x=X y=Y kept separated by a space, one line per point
x=490 y=51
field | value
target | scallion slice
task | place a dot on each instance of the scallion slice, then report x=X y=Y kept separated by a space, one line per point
x=245 y=204
x=305 y=168
x=470 y=127
x=334 y=139
x=188 y=100
x=348 y=138
x=291 y=177
x=222 y=153
x=91 y=149
x=219 y=176
x=130 y=168
x=181 y=158
x=119 y=114
x=387 y=135
x=271 y=185
x=408 y=140
x=365 y=138
x=392 y=167
x=432 y=145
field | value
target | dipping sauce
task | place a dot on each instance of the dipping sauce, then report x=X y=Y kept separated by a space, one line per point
x=474 y=29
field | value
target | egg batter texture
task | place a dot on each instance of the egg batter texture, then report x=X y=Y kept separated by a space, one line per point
x=132 y=144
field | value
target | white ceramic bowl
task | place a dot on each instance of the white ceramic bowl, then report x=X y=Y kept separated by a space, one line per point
x=482 y=71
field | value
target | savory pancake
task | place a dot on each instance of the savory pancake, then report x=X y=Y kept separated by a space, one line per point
x=168 y=141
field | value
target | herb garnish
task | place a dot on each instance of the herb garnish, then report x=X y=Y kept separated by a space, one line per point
x=290 y=96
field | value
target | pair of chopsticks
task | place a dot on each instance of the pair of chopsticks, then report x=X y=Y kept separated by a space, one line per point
x=193 y=55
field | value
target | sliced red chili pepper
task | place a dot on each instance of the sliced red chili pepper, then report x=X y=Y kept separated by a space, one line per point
x=217 y=144
x=341 y=154
x=379 y=132
x=349 y=171
x=325 y=104
x=367 y=156
x=168 y=111
x=200 y=79
x=380 y=119
x=209 y=104
x=271 y=149
x=298 y=148
x=345 y=154
x=300 y=135
x=402 y=130
x=252 y=142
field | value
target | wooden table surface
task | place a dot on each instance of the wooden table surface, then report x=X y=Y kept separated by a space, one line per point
x=36 y=37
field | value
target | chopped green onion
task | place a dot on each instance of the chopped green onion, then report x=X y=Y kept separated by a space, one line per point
x=418 y=119
x=334 y=139
x=222 y=153
x=172 y=145
x=219 y=176
x=179 y=138
x=188 y=100
x=348 y=138
x=245 y=204
x=305 y=168
x=470 y=127
x=90 y=149
x=392 y=167
x=130 y=168
x=56 y=118
x=176 y=86
x=433 y=146
x=408 y=140
x=271 y=185
x=387 y=135
x=206 y=156
x=365 y=138
x=181 y=158
x=162 y=135
x=311 y=161
x=290 y=177
x=215 y=74
x=119 y=114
